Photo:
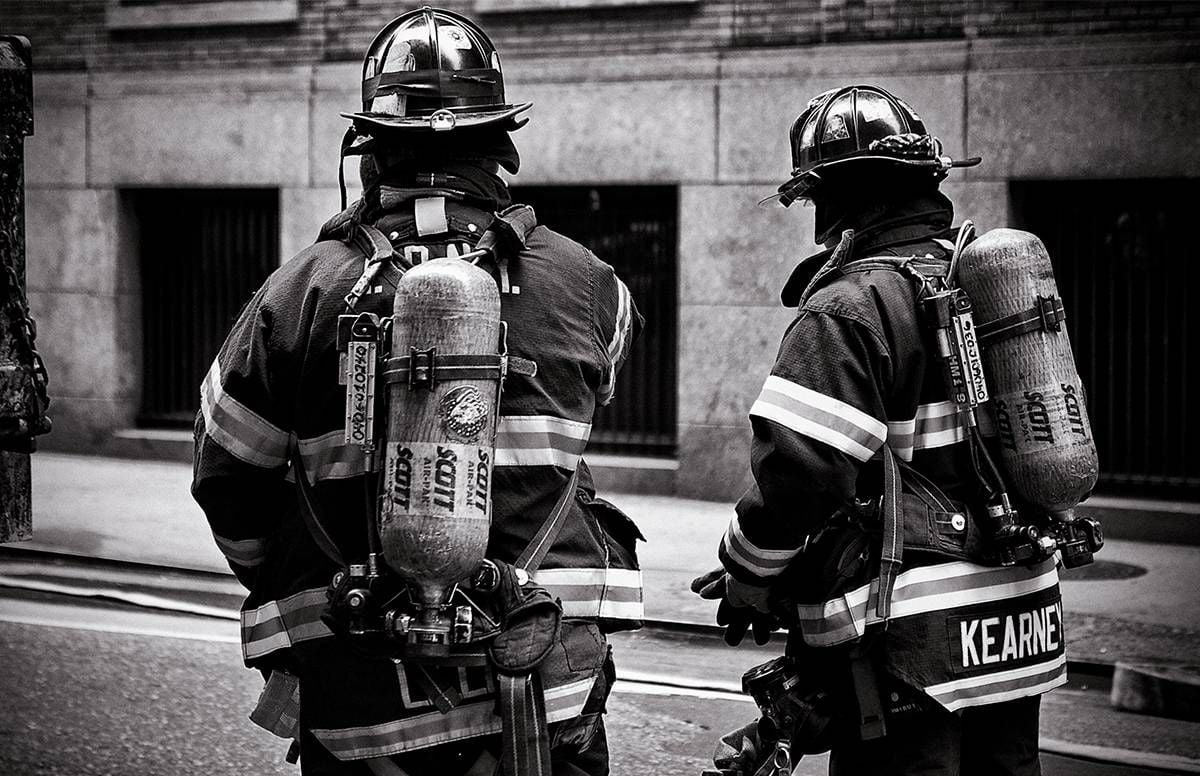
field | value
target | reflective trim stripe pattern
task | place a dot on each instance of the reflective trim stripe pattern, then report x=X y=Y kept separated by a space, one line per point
x=935 y=425
x=425 y=730
x=900 y=437
x=609 y=593
x=244 y=552
x=620 y=339
x=280 y=624
x=763 y=563
x=1001 y=685
x=238 y=429
x=824 y=418
x=919 y=591
x=540 y=440
x=328 y=457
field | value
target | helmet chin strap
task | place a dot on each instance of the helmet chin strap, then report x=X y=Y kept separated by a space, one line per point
x=347 y=143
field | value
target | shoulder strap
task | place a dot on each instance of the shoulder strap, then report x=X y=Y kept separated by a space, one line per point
x=375 y=245
x=505 y=238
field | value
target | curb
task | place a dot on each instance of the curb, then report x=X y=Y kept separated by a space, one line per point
x=1145 y=520
x=1169 y=763
x=1158 y=689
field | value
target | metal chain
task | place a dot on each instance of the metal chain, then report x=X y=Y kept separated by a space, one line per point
x=26 y=332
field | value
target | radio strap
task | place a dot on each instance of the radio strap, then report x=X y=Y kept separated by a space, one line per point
x=871 y=722
x=309 y=511
x=893 y=533
x=539 y=545
x=526 y=748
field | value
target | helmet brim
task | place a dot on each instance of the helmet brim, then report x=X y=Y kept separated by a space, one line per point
x=463 y=119
x=941 y=163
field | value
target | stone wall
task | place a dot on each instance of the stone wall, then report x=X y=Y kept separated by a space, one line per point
x=91 y=34
x=714 y=123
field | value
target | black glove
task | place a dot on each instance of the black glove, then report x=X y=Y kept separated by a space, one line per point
x=742 y=606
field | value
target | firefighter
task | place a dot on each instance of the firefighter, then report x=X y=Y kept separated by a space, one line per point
x=866 y=531
x=433 y=136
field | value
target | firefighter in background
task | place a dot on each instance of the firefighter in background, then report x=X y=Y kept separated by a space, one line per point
x=433 y=135
x=929 y=661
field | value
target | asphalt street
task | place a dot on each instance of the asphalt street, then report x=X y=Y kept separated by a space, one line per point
x=99 y=690
x=89 y=687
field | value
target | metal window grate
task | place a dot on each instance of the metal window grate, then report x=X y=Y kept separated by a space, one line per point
x=1126 y=270
x=203 y=254
x=634 y=229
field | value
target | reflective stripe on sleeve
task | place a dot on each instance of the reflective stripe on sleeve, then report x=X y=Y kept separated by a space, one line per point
x=589 y=592
x=328 y=457
x=1001 y=686
x=935 y=425
x=938 y=425
x=235 y=427
x=919 y=591
x=280 y=624
x=425 y=730
x=540 y=440
x=620 y=338
x=244 y=552
x=900 y=438
x=761 y=562
x=824 y=418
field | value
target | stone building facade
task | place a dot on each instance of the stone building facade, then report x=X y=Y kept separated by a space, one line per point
x=138 y=95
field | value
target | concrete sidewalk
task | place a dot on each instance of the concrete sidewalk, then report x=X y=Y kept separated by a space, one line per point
x=141 y=511
x=1137 y=603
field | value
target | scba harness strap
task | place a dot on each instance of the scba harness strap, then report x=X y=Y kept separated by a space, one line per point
x=530 y=617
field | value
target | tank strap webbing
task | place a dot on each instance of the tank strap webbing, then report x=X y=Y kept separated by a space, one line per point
x=424 y=368
x=1047 y=314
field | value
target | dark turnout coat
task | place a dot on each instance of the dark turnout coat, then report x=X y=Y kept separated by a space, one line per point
x=273 y=393
x=855 y=372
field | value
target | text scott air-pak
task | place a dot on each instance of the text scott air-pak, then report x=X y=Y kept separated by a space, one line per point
x=1016 y=362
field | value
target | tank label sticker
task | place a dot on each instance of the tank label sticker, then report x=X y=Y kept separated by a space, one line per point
x=360 y=392
x=1051 y=415
x=464 y=413
x=440 y=479
x=966 y=341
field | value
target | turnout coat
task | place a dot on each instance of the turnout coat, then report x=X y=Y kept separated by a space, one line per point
x=855 y=372
x=273 y=393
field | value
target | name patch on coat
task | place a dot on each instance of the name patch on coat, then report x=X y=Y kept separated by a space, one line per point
x=1007 y=639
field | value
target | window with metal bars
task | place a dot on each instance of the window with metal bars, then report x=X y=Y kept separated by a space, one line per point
x=633 y=228
x=203 y=254
x=1124 y=257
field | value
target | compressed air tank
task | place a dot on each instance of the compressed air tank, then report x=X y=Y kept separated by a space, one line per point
x=435 y=506
x=1045 y=437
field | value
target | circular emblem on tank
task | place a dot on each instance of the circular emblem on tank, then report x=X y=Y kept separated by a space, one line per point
x=464 y=412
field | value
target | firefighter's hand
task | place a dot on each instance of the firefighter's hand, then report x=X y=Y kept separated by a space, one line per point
x=742 y=606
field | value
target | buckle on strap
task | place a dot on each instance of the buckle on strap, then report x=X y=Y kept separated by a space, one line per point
x=424 y=368
x=1046 y=314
